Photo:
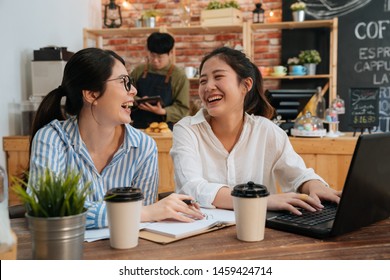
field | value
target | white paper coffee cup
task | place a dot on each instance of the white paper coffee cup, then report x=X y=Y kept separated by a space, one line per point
x=124 y=215
x=250 y=209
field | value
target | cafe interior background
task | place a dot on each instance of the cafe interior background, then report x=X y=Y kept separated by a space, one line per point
x=31 y=25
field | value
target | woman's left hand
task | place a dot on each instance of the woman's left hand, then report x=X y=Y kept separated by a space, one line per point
x=319 y=192
x=172 y=207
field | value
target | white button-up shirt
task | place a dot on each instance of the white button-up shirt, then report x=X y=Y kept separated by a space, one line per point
x=263 y=154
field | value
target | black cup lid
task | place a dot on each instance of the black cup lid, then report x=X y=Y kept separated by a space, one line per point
x=250 y=190
x=124 y=194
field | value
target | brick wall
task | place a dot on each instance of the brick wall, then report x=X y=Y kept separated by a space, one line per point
x=191 y=48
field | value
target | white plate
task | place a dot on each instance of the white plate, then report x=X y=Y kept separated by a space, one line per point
x=305 y=133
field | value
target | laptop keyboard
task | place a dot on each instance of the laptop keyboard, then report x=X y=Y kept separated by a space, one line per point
x=311 y=218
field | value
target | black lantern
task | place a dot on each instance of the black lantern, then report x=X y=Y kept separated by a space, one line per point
x=258 y=14
x=112 y=15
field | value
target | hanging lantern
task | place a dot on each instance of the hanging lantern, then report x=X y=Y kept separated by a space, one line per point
x=112 y=15
x=258 y=14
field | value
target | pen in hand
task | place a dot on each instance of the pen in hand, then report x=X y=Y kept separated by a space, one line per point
x=189 y=201
x=194 y=203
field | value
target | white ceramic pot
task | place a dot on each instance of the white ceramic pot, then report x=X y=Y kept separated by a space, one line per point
x=149 y=22
x=311 y=68
x=298 y=15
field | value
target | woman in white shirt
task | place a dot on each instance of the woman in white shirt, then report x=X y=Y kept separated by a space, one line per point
x=231 y=141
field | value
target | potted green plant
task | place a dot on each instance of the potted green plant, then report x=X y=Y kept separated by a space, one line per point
x=56 y=214
x=310 y=59
x=221 y=13
x=298 y=11
x=215 y=5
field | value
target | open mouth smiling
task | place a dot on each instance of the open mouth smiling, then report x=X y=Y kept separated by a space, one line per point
x=214 y=98
x=127 y=105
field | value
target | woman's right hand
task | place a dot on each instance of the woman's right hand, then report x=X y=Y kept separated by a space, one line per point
x=172 y=207
x=290 y=202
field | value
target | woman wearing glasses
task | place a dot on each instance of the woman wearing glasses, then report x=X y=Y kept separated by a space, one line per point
x=91 y=134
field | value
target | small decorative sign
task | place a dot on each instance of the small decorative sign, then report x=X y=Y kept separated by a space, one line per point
x=364 y=108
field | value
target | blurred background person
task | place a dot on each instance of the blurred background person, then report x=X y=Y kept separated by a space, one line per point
x=160 y=77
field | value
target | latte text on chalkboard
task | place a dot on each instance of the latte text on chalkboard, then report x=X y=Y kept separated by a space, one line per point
x=364 y=107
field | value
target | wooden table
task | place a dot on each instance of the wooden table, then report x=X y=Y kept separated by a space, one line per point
x=371 y=242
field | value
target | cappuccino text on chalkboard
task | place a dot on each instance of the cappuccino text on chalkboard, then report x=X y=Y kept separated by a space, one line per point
x=364 y=107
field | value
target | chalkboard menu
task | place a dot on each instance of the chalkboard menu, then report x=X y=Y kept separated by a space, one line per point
x=364 y=61
x=364 y=107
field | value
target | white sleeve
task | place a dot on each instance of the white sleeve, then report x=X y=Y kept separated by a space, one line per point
x=189 y=167
x=291 y=170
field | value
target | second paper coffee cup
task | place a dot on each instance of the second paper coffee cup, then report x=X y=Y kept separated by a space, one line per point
x=124 y=215
x=250 y=209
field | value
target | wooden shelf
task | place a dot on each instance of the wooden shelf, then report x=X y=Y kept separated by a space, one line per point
x=179 y=30
x=289 y=77
x=247 y=29
x=96 y=35
x=331 y=24
x=204 y=29
x=293 y=25
x=119 y=31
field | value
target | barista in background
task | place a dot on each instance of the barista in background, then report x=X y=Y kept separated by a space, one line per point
x=160 y=77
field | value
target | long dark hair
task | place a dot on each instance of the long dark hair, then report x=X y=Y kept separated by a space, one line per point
x=87 y=69
x=256 y=102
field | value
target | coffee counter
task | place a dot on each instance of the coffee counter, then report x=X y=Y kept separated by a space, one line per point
x=330 y=158
x=16 y=149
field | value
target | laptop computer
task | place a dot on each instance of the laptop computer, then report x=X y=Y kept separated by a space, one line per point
x=365 y=198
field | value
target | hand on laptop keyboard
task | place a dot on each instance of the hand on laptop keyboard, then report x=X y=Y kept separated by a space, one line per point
x=320 y=192
x=292 y=202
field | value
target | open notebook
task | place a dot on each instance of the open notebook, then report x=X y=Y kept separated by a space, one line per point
x=169 y=231
x=213 y=218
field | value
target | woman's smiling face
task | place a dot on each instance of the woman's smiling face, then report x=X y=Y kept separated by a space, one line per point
x=115 y=104
x=220 y=90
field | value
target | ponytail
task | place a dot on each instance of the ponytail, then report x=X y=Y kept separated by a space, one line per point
x=256 y=102
x=48 y=110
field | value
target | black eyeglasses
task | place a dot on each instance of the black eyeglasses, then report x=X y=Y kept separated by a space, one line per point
x=127 y=81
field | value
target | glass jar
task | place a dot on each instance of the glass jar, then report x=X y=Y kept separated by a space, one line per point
x=339 y=105
x=6 y=238
x=331 y=115
x=332 y=119
x=29 y=109
x=308 y=126
x=320 y=104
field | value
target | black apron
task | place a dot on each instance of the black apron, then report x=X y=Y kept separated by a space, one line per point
x=150 y=84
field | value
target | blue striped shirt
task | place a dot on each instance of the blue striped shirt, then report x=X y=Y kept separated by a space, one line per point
x=59 y=147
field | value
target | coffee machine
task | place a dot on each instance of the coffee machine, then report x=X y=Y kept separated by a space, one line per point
x=47 y=69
